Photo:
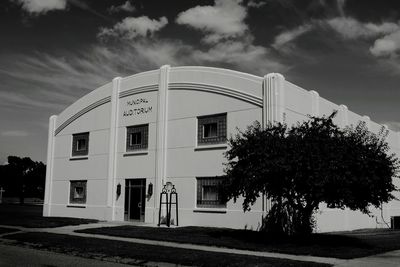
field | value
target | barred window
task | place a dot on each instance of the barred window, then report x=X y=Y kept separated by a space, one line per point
x=137 y=137
x=208 y=193
x=211 y=129
x=77 y=193
x=80 y=144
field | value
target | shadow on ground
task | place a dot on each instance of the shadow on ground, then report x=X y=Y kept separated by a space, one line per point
x=345 y=245
x=31 y=216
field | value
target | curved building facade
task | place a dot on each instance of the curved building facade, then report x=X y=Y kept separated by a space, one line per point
x=111 y=152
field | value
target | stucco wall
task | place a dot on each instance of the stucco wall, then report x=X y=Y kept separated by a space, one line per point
x=186 y=162
x=92 y=168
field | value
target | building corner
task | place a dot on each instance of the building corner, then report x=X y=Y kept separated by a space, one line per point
x=112 y=159
x=50 y=166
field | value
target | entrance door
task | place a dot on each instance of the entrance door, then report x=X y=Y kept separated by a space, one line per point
x=135 y=196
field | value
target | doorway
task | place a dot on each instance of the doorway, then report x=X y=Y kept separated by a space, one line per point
x=135 y=199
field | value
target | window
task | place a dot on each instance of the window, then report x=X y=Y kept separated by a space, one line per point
x=208 y=193
x=137 y=137
x=80 y=144
x=211 y=129
x=77 y=194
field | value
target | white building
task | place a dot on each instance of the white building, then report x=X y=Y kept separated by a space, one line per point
x=110 y=153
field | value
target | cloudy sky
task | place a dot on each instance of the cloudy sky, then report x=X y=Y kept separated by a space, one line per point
x=52 y=52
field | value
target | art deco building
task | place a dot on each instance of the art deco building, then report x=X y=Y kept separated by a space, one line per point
x=111 y=152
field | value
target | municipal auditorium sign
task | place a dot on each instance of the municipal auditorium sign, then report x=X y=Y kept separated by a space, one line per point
x=135 y=107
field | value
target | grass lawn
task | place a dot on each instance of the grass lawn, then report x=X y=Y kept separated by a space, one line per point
x=345 y=245
x=31 y=216
x=95 y=248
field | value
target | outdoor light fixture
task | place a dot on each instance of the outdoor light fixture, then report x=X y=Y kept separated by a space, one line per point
x=118 y=190
x=150 y=190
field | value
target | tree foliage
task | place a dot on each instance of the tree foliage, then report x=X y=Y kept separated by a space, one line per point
x=23 y=177
x=301 y=166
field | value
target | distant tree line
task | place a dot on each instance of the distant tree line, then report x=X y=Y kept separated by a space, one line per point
x=22 y=178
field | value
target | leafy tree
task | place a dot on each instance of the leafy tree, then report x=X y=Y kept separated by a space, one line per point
x=301 y=166
x=23 y=177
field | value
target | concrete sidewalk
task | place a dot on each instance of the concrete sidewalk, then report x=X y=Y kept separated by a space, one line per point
x=388 y=259
x=385 y=260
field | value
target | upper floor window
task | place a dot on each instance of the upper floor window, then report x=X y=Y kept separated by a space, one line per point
x=211 y=129
x=80 y=144
x=137 y=137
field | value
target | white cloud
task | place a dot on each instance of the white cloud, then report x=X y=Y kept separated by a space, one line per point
x=240 y=55
x=385 y=36
x=14 y=100
x=290 y=35
x=15 y=133
x=132 y=27
x=255 y=4
x=226 y=41
x=350 y=28
x=52 y=82
x=223 y=20
x=42 y=6
x=384 y=28
x=127 y=7
x=388 y=45
x=41 y=81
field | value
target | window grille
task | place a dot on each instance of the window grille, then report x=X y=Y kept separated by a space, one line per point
x=208 y=193
x=137 y=137
x=77 y=193
x=211 y=129
x=80 y=144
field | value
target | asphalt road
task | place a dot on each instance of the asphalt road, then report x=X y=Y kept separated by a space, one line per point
x=19 y=256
